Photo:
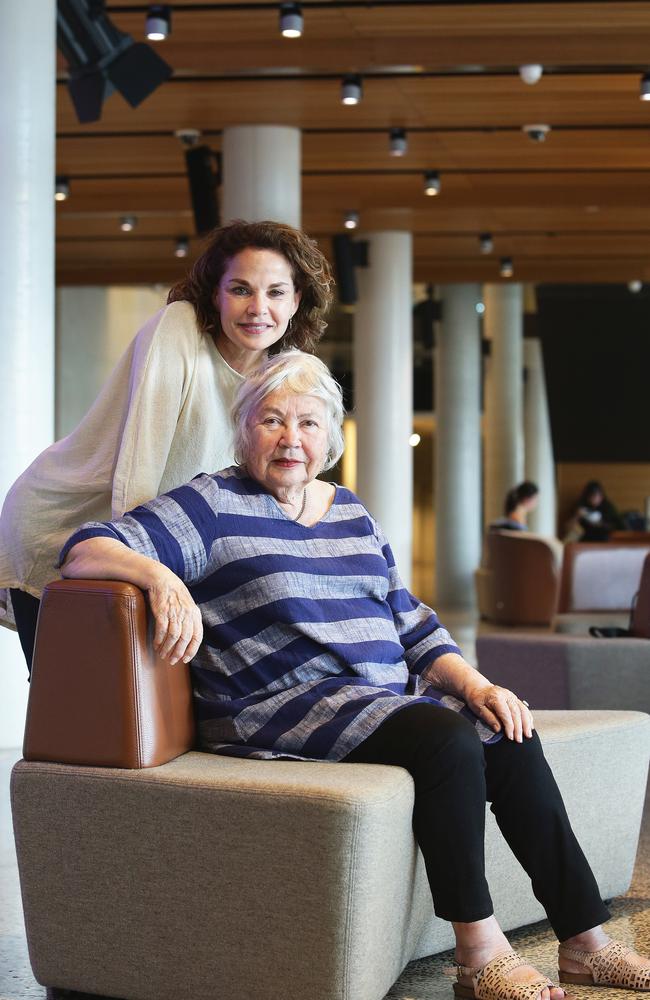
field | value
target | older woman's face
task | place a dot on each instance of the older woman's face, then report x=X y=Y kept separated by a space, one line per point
x=256 y=299
x=288 y=440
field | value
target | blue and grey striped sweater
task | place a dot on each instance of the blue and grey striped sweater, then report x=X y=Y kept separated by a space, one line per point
x=310 y=638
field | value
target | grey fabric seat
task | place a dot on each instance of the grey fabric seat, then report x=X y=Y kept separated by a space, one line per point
x=209 y=877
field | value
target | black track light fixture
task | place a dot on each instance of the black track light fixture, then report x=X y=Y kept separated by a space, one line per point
x=158 y=23
x=61 y=188
x=432 y=183
x=292 y=21
x=351 y=89
x=398 y=142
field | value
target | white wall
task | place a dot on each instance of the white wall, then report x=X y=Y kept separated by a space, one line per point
x=94 y=325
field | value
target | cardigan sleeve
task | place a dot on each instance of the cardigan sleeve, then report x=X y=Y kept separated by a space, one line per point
x=163 y=366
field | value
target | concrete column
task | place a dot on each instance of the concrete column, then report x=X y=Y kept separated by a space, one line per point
x=504 y=437
x=27 y=127
x=383 y=389
x=262 y=174
x=540 y=466
x=458 y=446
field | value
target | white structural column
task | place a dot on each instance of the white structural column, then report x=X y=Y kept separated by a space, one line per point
x=383 y=389
x=458 y=446
x=504 y=429
x=540 y=466
x=27 y=127
x=262 y=173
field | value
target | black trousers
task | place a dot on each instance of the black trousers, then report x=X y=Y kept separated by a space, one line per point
x=26 y=615
x=454 y=775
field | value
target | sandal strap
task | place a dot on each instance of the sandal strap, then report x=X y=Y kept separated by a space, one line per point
x=610 y=965
x=492 y=983
x=472 y=971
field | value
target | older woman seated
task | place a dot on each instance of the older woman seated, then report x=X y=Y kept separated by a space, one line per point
x=282 y=591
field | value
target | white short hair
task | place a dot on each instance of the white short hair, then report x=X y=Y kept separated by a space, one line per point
x=297 y=372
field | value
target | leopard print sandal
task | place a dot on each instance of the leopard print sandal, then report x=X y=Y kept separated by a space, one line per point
x=493 y=982
x=614 y=965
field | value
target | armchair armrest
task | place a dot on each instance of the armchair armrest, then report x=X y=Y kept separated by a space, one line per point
x=99 y=694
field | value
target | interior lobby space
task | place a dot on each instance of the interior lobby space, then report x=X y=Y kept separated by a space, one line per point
x=448 y=204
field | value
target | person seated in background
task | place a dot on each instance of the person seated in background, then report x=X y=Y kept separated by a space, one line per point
x=282 y=591
x=520 y=500
x=594 y=518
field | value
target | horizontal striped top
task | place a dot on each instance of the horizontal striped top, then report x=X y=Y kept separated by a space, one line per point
x=310 y=638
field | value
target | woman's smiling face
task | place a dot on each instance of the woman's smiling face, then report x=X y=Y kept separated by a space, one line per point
x=255 y=299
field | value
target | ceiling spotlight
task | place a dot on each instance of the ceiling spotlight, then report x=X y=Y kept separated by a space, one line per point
x=351 y=220
x=432 y=182
x=398 y=143
x=351 y=89
x=486 y=243
x=635 y=286
x=506 y=270
x=531 y=72
x=61 y=188
x=158 y=23
x=291 y=20
x=414 y=440
x=101 y=59
x=182 y=247
x=645 y=87
x=536 y=133
x=128 y=223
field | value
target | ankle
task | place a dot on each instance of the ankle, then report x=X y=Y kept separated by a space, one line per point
x=479 y=942
x=590 y=940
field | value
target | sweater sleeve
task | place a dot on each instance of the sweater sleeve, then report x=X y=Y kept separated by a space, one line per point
x=176 y=529
x=421 y=634
x=163 y=366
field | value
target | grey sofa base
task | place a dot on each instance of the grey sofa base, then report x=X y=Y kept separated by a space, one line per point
x=212 y=877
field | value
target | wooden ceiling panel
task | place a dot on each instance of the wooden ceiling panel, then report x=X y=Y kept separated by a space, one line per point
x=434 y=36
x=576 y=207
x=590 y=150
x=415 y=101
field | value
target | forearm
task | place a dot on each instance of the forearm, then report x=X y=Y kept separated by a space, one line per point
x=107 y=559
x=178 y=627
x=454 y=675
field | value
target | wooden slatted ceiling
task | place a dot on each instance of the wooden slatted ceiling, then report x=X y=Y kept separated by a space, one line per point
x=606 y=149
x=417 y=102
x=588 y=184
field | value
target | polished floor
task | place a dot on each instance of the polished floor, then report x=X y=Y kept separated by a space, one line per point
x=426 y=979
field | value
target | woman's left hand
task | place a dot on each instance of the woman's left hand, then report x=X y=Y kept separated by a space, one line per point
x=501 y=709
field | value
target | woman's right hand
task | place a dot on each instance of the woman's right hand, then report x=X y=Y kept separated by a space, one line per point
x=178 y=626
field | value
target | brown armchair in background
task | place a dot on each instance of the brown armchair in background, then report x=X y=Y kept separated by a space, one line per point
x=518 y=580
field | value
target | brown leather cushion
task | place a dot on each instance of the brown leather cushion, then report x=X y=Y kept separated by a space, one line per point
x=99 y=694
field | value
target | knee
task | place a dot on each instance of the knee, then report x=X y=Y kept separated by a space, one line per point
x=452 y=739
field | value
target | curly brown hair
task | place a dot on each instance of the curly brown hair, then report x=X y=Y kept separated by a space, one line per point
x=311 y=272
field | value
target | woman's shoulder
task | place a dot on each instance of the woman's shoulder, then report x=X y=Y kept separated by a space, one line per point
x=173 y=328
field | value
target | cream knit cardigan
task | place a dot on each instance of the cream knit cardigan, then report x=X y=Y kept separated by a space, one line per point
x=162 y=417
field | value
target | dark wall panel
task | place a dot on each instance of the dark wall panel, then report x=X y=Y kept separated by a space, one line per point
x=596 y=341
